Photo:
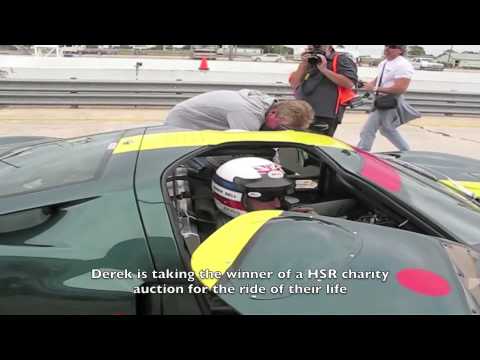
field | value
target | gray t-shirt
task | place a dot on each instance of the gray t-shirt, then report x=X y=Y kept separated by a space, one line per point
x=222 y=110
x=320 y=92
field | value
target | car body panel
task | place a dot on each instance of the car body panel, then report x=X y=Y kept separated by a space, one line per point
x=426 y=197
x=52 y=262
x=474 y=187
x=122 y=218
x=46 y=269
x=219 y=251
x=464 y=171
x=302 y=243
x=7 y=143
x=160 y=140
x=116 y=172
x=443 y=165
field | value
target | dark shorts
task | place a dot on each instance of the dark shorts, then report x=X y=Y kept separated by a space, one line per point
x=327 y=126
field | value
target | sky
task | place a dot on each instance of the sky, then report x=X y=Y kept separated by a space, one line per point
x=378 y=49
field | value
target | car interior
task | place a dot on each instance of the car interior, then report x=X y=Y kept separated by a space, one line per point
x=317 y=187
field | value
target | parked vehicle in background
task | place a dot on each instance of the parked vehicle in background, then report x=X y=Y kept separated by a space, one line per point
x=369 y=61
x=76 y=50
x=427 y=64
x=72 y=50
x=97 y=51
x=269 y=58
x=204 y=51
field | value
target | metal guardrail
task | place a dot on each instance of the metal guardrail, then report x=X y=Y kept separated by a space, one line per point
x=138 y=94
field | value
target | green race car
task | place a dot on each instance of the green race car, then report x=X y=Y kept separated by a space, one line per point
x=125 y=223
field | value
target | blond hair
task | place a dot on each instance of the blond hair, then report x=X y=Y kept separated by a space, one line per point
x=298 y=114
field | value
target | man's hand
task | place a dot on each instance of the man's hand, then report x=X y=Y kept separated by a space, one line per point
x=368 y=87
x=296 y=78
x=322 y=64
x=305 y=56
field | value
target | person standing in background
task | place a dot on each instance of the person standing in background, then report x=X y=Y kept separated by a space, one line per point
x=390 y=108
x=321 y=80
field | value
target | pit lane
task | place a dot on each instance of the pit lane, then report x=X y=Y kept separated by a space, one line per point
x=458 y=135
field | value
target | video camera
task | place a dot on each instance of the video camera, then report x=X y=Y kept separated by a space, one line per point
x=315 y=53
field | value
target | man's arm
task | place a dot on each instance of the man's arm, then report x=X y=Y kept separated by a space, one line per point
x=399 y=87
x=346 y=75
x=401 y=82
x=297 y=77
x=340 y=78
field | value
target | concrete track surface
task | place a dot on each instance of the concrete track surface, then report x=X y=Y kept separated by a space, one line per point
x=454 y=135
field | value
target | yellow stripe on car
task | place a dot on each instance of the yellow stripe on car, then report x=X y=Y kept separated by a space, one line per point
x=212 y=137
x=128 y=144
x=219 y=251
x=469 y=185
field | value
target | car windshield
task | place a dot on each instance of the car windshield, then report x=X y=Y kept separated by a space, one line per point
x=39 y=167
x=445 y=207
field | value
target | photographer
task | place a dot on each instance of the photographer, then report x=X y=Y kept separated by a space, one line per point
x=323 y=79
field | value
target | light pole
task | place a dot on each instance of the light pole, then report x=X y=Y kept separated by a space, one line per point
x=137 y=69
x=449 y=54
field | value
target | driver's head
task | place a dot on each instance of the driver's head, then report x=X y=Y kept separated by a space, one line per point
x=289 y=114
x=249 y=184
x=274 y=203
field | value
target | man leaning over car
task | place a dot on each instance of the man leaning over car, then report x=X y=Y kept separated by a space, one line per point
x=241 y=110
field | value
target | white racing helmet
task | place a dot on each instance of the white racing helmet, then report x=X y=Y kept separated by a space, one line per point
x=240 y=182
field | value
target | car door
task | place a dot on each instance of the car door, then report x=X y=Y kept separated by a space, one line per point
x=167 y=254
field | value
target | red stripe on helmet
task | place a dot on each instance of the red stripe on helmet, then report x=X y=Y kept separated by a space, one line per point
x=230 y=203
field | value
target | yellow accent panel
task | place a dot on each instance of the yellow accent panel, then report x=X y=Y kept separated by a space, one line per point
x=211 y=137
x=220 y=250
x=127 y=144
x=470 y=185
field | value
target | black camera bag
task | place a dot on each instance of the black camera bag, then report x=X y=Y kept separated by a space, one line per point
x=385 y=102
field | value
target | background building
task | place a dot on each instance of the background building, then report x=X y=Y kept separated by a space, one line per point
x=460 y=60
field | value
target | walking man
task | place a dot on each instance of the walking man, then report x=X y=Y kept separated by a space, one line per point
x=390 y=108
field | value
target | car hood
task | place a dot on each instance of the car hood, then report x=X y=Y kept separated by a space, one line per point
x=407 y=273
x=445 y=167
x=8 y=143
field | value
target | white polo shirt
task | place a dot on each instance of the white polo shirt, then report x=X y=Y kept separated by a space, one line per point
x=399 y=68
